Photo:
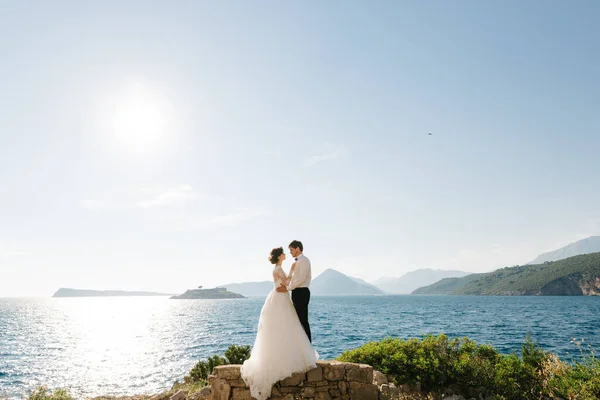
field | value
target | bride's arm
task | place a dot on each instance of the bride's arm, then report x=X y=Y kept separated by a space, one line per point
x=280 y=276
x=289 y=277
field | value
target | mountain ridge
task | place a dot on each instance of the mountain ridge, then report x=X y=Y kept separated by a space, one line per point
x=413 y=280
x=574 y=276
x=588 y=245
x=332 y=283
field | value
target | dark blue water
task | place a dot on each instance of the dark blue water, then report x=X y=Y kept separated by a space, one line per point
x=122 y=346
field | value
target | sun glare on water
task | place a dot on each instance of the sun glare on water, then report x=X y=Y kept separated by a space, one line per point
x=140 y=119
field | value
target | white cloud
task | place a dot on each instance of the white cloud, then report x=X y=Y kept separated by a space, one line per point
x=328 y=152
x=320 y=158
x=237 y=217
x=141 y=197
x=95 y=204
x=177 y=195
x=14 y=253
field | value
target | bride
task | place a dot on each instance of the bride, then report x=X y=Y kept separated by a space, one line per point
x=281 y=347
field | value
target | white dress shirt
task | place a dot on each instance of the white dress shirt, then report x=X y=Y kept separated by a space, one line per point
x=302 y=273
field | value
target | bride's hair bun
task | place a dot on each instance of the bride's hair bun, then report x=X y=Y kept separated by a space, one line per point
x=275 y=253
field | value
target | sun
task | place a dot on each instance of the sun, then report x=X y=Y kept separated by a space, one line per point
x=140 y=119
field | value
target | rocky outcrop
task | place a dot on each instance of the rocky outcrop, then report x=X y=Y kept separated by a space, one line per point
x=329 y=381
x=590 y=286
x=573 y=285
x=565 y=286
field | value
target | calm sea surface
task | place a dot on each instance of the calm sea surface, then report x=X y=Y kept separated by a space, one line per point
x=122 y=346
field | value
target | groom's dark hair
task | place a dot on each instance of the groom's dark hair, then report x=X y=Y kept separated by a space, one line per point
x=296 y=244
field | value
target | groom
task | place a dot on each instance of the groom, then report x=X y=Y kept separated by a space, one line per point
x=299 y=284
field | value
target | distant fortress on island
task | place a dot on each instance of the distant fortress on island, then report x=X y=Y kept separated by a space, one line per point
x=216 y=293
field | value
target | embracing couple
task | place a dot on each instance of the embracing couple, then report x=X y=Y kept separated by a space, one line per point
x=283 y=341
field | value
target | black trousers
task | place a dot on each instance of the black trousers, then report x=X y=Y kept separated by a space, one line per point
x=301 y=298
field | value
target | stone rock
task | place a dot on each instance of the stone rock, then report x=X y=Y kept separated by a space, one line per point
x=241 y=394
x=227 y=371
x=180 y=395
x=363 y=391
x=343 y=386
x=379 y=378
x=275 y=392
x=159 y=396
x=220 y=389
x=286 y=397
x=404 y=388
x=315 y=374
x=203 y=394
x=454 y=397
x=294 y=380
x=321 y=383
x=289 y=390
x=334 y=371
x=451 y=389
x=335 y=393
x=362 y=373
x=389 y=391
x=237 y=383
x=322 y=388
x=323 y=396
x=211 y=378
x=308 y=392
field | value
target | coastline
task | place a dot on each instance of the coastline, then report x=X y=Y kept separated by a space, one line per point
x=434 y=367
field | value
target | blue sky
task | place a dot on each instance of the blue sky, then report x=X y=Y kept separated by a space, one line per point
x=165 y=146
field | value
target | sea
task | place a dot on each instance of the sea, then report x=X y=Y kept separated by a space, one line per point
x=136 y=345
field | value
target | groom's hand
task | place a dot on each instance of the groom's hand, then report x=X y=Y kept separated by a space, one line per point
x=282 y=289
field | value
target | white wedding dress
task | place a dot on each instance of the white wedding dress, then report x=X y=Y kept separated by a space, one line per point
x=281 y=346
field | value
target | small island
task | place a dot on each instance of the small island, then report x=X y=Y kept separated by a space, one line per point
x=216 y=293
x=66 y=292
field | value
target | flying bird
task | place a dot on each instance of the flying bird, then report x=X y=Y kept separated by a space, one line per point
x=430 y=134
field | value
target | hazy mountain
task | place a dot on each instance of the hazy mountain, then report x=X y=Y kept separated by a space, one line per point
x=413 y=280
x=332 y=282
x=584 y=246
x=66 y=292
x=363 y=282
x=250 y=289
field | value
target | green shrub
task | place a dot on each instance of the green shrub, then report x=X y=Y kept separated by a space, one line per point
x=42 y=393
x=233 y=355
x=514 y=379
x=532 y=354
x=580 y=380
x=437 y=362
x=237 y=354
x=471 y=365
